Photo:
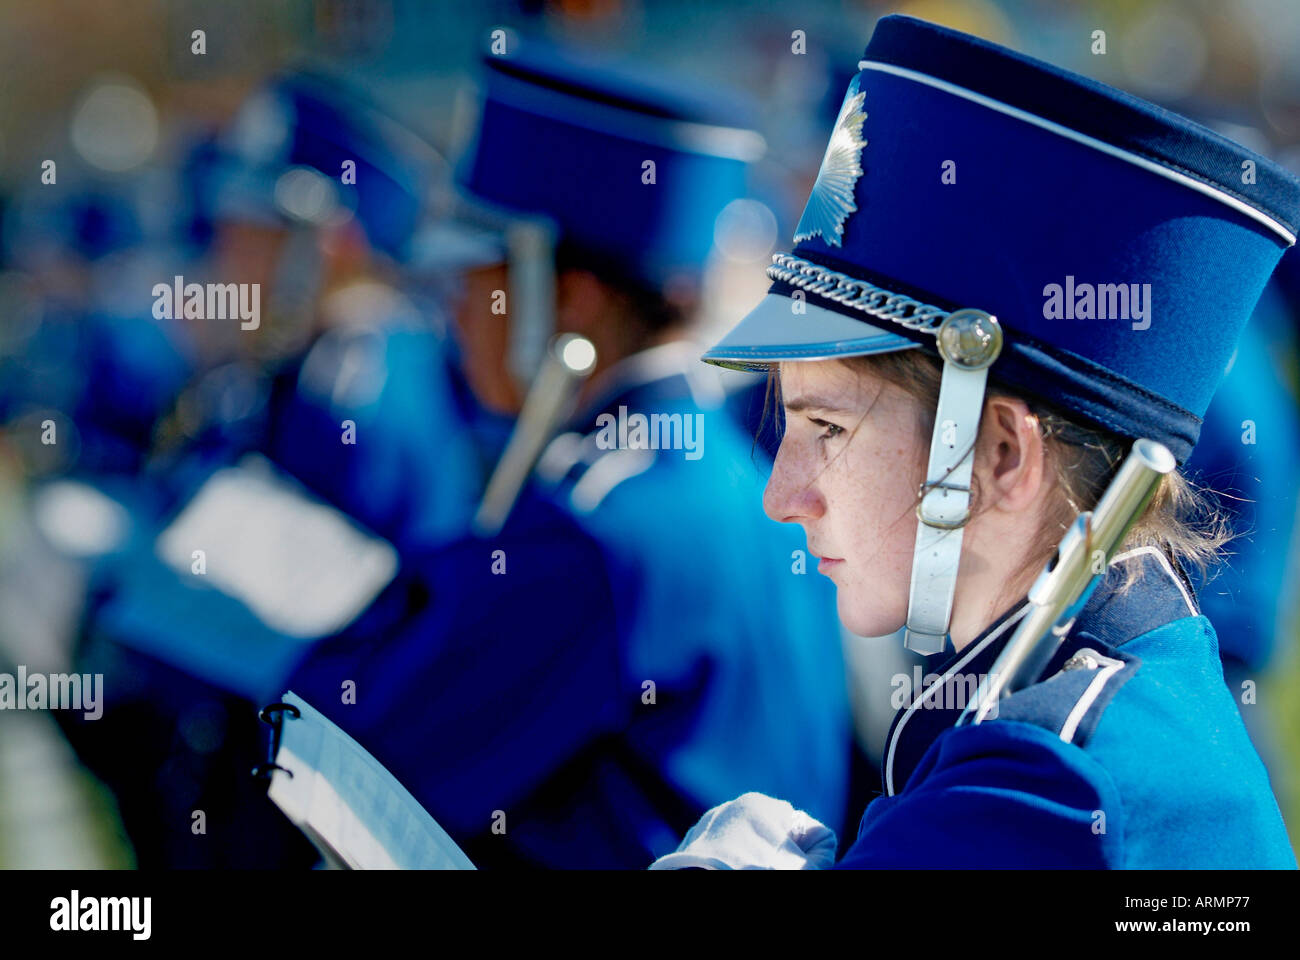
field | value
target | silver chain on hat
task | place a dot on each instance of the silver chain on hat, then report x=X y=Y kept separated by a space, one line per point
x=856 y=294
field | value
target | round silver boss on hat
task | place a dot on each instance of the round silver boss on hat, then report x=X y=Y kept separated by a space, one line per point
x=972 y=339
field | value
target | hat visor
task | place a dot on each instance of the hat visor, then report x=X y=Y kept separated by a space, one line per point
x=773 y=331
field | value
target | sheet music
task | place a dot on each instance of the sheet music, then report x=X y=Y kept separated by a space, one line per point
x=302 y=567
x=349 y=805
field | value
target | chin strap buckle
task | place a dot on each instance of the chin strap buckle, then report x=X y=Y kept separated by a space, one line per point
x=969 y=341
x=939 y=523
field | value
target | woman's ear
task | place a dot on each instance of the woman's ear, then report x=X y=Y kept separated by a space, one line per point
x=1013 y=455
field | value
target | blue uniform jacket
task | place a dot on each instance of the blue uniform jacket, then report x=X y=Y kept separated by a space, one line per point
x=411 y=472
x=642 y=649
x=188 y=661
x=1250 y=450
x=1131 y=753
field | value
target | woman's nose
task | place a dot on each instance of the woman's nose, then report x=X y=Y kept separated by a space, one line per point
x=790 y=495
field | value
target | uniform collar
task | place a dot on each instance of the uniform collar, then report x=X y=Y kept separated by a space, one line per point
x=670 y=369
x=1110 y=619
x=655 y=380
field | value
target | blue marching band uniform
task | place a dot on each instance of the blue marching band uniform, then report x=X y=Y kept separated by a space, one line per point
x=188 y=655
x=637 y=643
x=1250 y=448
x=625 y=670
x=1090 y=767
x=1128 y=751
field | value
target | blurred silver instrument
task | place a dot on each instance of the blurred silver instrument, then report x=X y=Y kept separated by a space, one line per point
x=1068 y=579
x=569 y=360
x=531 y=249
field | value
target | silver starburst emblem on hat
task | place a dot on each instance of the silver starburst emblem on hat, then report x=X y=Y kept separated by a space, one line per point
x=832 y=195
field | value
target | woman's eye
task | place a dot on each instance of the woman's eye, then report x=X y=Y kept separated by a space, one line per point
x=832 y=430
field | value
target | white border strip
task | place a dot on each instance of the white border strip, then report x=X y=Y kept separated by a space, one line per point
x=1133 y=158
x=1164 y=563
x=1090 y=695
x=939 y=684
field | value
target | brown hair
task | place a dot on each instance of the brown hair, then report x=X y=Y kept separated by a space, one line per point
x=1182 y=519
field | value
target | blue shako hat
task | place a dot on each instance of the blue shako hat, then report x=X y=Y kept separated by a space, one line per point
x=311 y=122
x=1076 y=243
x=566 y=136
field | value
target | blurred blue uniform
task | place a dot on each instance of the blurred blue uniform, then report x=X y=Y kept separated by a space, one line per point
x=1250 y=451
x=135 y=369
x=95 y=358
x=525 y=691
x=385 y=368
x=184 y=654
x=621 y=669
x=383 y=379
x=397 y=387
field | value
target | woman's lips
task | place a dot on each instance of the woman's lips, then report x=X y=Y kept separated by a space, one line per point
x=828 y=564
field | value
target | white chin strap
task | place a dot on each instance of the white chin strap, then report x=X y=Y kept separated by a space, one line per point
x=969 y=341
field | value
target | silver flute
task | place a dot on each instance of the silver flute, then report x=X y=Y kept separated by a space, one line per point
x=1067 y=581
x=569 y=360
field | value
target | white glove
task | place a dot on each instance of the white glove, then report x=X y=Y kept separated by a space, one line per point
x=754 y=832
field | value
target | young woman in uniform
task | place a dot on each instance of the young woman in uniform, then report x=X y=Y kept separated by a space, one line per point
x=1005 y=276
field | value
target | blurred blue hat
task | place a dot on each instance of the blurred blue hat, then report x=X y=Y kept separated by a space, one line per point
x=282 y=159
x=1069 y=241
x=567 y=137
x=92 y=219
x=1120 y=247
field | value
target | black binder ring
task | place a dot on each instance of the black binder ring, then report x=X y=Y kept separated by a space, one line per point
x=273 y=715
x=279 y=707
x=264 y=770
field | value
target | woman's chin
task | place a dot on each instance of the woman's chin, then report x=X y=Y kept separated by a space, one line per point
x=867 y=622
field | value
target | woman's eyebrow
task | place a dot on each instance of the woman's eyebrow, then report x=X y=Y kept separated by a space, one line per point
x=802 y=403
